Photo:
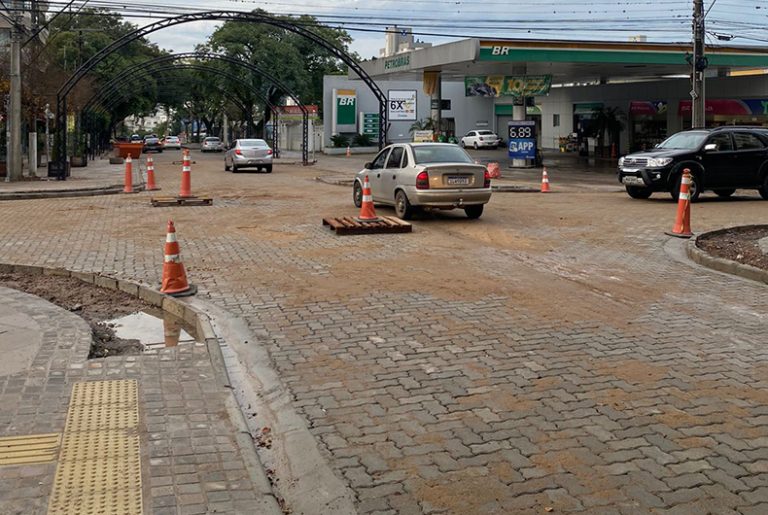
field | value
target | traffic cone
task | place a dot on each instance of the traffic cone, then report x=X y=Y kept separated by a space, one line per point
x=349 y=151
x=367 y=212
x=186 y=177
x=174 y=277
x=128 y=188
x=151 y=186
x=682 y=228
x=544 y=181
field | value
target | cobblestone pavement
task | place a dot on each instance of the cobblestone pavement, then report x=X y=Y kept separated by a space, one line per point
x=192 y=461
x=550 y=356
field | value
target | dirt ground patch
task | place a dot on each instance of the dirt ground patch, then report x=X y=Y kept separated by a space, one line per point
x=739 y=244
x=95 y=305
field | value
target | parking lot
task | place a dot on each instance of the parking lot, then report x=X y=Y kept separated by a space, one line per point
x=558 y=354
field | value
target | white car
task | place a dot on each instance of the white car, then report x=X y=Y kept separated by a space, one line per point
x=172 y=142
x=211 y=145
x=248 y=153
x=480 y=139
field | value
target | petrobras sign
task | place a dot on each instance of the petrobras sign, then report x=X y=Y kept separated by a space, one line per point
x=344 y=110
x=522 y=139
x=401 y=105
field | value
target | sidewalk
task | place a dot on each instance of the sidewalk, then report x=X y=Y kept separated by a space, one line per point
x=132 y=434
x=99 y=177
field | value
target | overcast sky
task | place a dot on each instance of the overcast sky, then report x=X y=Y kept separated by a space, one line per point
x=659 y=20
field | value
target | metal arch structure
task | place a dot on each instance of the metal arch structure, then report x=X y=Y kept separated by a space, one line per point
x=237 y=62
x=147 y=67
x=110 y=98
x=116 y=96
x=250 y=17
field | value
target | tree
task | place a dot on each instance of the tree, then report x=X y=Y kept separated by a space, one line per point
x=296 y=61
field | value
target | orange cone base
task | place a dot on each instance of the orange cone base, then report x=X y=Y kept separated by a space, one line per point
x=191 y=290
x=679 y=235
x=175 y=280
x=364 y=220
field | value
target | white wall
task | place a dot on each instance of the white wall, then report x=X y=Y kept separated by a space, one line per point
x=467 y=112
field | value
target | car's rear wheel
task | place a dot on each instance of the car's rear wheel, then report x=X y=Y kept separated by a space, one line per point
x=763 y=190
x=235 y=169
x=475 y=145
x=694 y=190
x=639 y=192
x=403 y=208
x=357 y=194
x=725 y=193
x=226 y=166
x=463 y=145
x=474 y=212
x=268 y=168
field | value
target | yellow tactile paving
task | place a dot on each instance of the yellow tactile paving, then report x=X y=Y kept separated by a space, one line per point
x=99 y=469
x=29 y=449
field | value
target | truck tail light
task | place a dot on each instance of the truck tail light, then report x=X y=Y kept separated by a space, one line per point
x=422 y=181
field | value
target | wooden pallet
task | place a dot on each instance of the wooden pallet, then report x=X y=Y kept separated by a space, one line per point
x=349 y=225
x=180 y=201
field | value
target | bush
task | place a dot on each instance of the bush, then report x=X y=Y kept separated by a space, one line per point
x=362 y=140
x=339 y=141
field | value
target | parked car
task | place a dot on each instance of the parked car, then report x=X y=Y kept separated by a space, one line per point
x=172 y=142
x=211 y=145
x=425 y=176
x=152 y=144
x=481 y=139
x=720 y=159
x=248 y=153
x=135 y=138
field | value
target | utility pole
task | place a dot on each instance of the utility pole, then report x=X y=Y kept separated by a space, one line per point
x=698 y=65
x=14 y=108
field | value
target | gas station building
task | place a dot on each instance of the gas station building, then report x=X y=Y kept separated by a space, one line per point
x=485 y=84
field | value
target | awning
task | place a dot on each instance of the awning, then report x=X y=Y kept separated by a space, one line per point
x=732 y=107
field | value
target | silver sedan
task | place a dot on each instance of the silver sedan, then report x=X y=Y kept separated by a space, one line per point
x=248 y=153
x=414 y=176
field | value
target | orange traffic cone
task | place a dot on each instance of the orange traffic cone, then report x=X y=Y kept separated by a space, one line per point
x=544 y=181
x=349 y=151
x=186 y=177
x=128 y=188
x=682 y=228
x=151 y=186
x=174 y=277
x=367 y=212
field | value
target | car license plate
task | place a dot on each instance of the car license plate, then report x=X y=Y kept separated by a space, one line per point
x=458 y=181
x=632 y=180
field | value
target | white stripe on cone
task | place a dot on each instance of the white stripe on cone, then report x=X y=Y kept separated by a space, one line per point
x=172 y=258
x=171 y=237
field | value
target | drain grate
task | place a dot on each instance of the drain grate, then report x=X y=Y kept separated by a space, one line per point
x=99 y=470
x=28 y=450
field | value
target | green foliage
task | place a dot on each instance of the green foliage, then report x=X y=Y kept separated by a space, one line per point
x=339 y=141
x=426 y=124
x=362 y=140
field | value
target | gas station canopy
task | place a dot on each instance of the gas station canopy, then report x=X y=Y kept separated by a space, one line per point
x=566 y=61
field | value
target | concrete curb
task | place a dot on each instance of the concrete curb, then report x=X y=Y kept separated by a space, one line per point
x=81 y=192
x=703 y=258
x=205 y=332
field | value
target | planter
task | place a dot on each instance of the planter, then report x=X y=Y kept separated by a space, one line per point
x=78 y=161
x=128 y=149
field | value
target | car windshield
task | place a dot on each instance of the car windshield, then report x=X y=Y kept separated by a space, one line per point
x=485 y=133
x=253 y=143
x=440 y=154
x=684 y=140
